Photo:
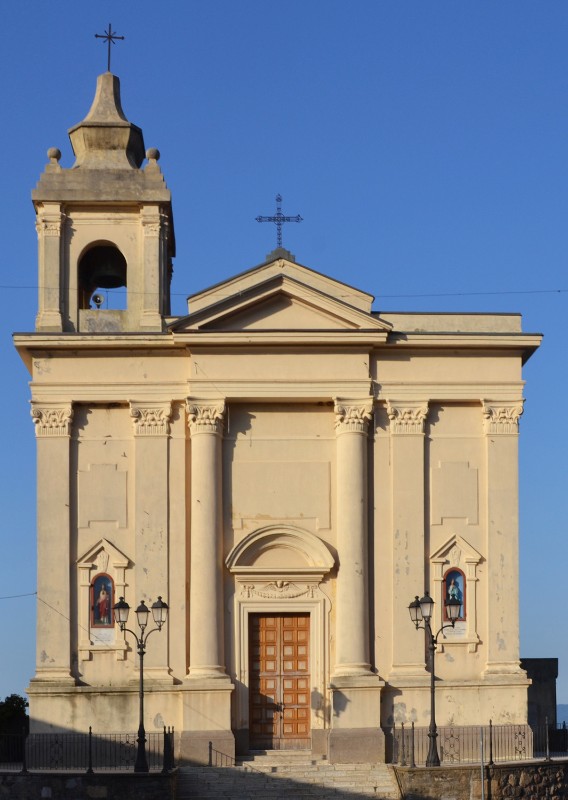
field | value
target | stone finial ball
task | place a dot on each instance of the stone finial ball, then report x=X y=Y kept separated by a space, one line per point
x=152 y=154
x=54 y=152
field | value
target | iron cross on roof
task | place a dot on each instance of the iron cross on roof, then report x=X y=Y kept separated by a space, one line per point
x=279 y=219
x=110 y=37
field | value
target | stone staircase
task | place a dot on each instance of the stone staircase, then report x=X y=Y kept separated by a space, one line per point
x=287 y=776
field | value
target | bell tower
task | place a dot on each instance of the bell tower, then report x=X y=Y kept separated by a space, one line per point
x=104 y=223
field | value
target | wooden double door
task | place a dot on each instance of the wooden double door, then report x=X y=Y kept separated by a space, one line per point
x=279 y=692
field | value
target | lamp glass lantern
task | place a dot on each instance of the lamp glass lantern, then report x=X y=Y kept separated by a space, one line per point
x=453 y=609
x=415 y=611
x=121 y=610
x=142 y=614
x=160 y=611
x=426 y=607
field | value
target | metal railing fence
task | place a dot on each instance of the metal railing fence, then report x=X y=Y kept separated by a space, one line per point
x=407 y=745
x=219 y=759
x=84 y=752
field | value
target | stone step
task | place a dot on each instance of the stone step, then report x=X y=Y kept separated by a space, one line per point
x=287 y=778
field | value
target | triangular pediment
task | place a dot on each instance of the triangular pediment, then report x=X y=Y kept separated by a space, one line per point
x=286 y=297
x=455 y=549
x=106 y=553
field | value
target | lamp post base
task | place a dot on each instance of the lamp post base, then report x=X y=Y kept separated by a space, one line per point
x=433 y=759
x=141 y=764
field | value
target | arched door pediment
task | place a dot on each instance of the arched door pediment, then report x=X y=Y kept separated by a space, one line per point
x=278 y=551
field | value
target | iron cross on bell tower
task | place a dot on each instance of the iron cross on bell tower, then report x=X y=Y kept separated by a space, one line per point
x=110 y=36
x=279 y=219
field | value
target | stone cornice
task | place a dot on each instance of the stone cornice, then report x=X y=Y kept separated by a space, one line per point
x=502 y=417
x=172 y=339
x=353 y=415
x=443 y=391
x=205 y=416
x=524 y=343
x=52 y=419
x=151 y=418
x=407 y=416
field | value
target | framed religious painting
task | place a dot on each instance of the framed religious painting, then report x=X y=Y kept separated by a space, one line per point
x=454 y=589
x=102 y=601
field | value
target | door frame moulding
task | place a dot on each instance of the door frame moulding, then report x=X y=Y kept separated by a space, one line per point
x=287 y=589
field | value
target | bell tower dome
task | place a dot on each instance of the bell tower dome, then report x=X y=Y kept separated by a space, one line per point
x=104 y=223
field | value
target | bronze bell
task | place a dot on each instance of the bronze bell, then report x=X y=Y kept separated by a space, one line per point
x=102 y=267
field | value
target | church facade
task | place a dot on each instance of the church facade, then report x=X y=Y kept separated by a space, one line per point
x=286 y=467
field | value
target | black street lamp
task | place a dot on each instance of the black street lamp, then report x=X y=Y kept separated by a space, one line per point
x=160 y=614
x=421 y=611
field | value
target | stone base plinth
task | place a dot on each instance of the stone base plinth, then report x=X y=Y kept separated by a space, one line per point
x=356 y=736
x=357 y=746
x=206 y=722
x=215 y=747
x=500 y=698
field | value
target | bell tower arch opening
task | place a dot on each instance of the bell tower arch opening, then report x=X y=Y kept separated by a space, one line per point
x=102 y=266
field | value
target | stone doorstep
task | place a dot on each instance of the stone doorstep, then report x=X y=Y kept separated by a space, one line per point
x=281 y=757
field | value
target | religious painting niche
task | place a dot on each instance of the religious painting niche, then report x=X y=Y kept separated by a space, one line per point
x=102 y=601
x=454 y=589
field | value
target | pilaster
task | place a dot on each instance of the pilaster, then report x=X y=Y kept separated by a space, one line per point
x=352 y=607
x=154 y=233
x=151 y=434
x=356 y=690
x=206 y=658
x=49 y=226
x=501 y=425
x=53 y=431
x=407 y=424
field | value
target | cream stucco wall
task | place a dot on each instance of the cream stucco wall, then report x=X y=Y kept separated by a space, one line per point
x=281 y=448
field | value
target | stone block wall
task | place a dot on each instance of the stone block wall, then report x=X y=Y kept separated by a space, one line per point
x=526 y=781
x=87 y=787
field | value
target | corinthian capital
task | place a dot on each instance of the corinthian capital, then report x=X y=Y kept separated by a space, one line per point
x=52 y=420
x=407 y=416
x=502 y=416
x=352 y=416
x=154 y=225
x=205 y=416
x=49 y=224
x=151 y=419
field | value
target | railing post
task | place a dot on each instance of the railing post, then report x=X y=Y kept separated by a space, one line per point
x=24 y=770
x=547 y=740
x=90 y=754
x=165 y=753
x=482 y=754
x=168 y=760
x=210 y=754
x=403 y=752
x=412 y=761
x=490 y=763
x=394 y=755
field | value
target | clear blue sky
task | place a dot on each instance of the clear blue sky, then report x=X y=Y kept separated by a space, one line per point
x=424 y=143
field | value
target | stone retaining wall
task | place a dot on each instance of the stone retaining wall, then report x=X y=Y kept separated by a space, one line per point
x=86 y=787
x=525 y=781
